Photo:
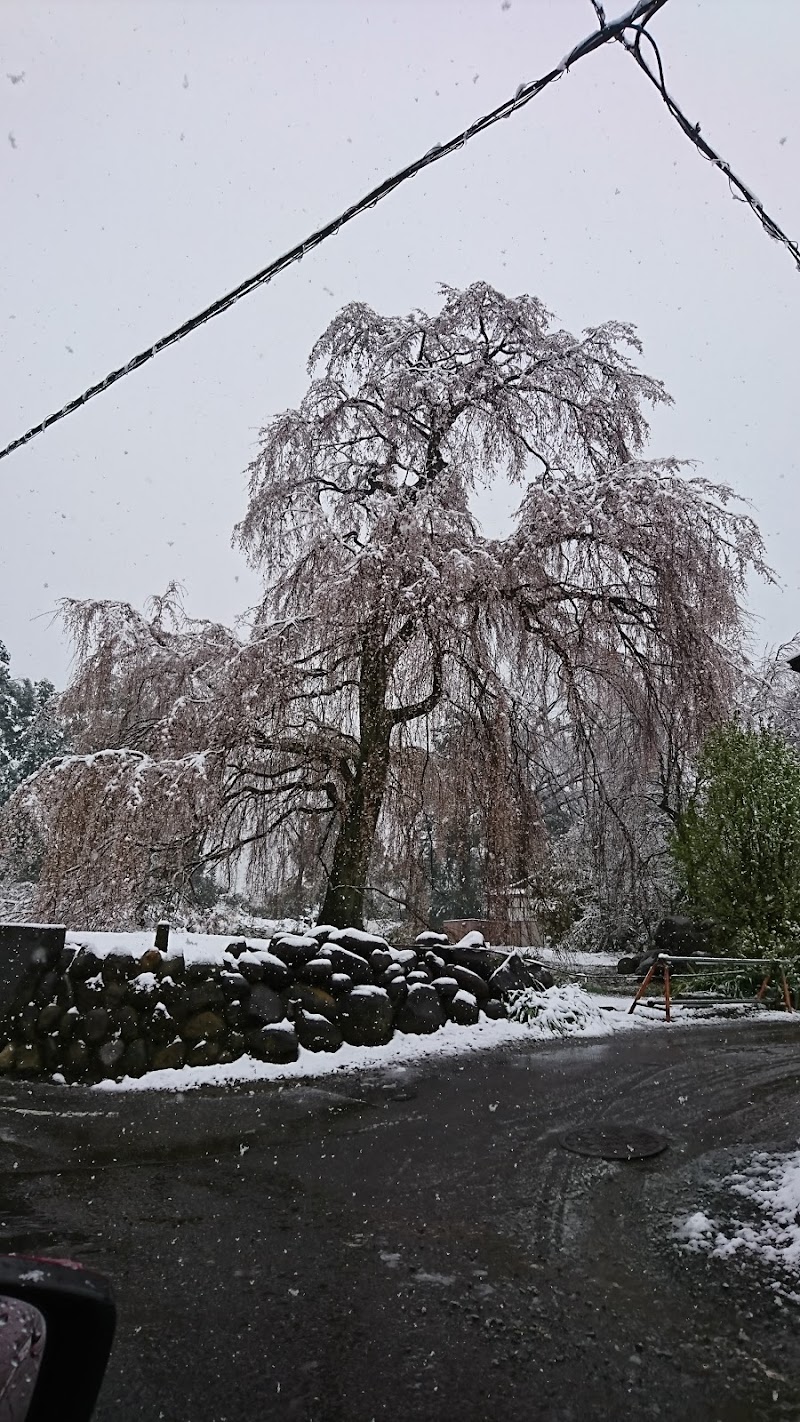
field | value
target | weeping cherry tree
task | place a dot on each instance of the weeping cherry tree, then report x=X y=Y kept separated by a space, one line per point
x=388 y=612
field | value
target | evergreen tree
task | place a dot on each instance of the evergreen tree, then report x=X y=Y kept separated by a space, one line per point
x=31 y=731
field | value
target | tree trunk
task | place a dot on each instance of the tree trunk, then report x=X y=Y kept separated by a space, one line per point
x=343 y=905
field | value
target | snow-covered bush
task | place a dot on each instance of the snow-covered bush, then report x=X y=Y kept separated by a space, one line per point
x=562 y=1010
x=610 y=877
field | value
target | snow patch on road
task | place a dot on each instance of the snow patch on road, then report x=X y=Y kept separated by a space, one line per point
x=695 y=1232
x=771 y=1183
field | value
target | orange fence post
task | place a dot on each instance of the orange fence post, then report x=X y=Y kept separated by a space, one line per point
x=645 y=983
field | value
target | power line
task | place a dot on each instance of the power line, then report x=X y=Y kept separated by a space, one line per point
x=638 y=15
x=693 y=133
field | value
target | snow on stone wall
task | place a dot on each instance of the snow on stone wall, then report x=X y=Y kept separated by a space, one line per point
x=111 y=1006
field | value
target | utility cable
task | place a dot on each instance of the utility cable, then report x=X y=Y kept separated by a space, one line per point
x=741 y=192
x=638 y=15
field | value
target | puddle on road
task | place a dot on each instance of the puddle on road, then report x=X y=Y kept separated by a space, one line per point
x=59 y=1115
x=25 y=1230
x=316 y=1096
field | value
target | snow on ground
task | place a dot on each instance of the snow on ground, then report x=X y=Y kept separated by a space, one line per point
x=209 y=947
x=562 y=957
x=771 y=1184
x=404 y=1048
x=599 y=1016
x=196 y=947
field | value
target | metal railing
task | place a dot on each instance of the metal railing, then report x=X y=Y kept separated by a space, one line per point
x=665 y=963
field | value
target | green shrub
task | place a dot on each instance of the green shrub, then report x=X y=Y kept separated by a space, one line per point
x=736 y=848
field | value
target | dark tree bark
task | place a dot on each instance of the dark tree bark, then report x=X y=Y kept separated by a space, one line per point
x=365 y=787
x=343 y=905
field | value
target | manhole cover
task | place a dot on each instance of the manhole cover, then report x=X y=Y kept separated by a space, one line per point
x=614 y=1142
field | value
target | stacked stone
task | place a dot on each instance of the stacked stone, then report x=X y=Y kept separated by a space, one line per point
x=94 y=1016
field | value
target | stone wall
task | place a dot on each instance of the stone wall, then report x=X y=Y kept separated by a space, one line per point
x=86 y=1016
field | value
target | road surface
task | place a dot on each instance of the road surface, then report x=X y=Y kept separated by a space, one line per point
x=416 y=1243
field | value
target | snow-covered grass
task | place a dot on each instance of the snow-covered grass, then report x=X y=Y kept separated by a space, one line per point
x=771 y=1183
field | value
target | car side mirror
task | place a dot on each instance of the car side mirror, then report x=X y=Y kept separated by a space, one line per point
x=62 y=1319
x=22 y=1341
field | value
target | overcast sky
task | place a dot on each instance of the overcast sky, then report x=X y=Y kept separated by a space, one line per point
x=155 y=152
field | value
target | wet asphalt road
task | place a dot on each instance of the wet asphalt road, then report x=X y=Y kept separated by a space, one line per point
x=416 y=1243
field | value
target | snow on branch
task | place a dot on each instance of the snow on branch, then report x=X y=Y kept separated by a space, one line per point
x=309 y=748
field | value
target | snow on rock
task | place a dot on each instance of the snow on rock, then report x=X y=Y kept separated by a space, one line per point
x=367 y=1016
x=406 y=957
x=261 y=959
x=463 y=1008
x=445 y=985
x=356 y=939
x=144 y=982
x=471 y=940
x=294 y=948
